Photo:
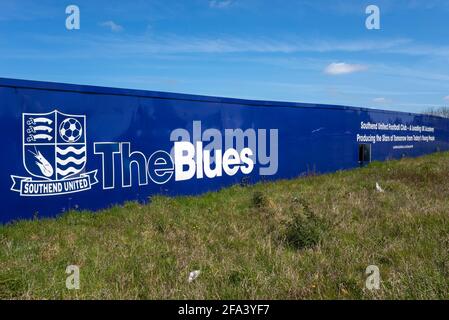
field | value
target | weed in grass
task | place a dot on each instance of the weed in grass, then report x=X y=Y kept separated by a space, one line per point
x=259 y=200
x=305 y=230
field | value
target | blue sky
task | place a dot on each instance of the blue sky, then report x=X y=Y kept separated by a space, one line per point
x=316 y=51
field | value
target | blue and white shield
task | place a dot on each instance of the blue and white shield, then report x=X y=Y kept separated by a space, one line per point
x=54 y=145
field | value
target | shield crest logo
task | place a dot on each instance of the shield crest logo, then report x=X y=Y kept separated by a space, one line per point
x=54 y=145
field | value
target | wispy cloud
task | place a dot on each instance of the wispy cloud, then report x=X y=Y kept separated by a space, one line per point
x=340 y=68
x=220 y=4
x=178 y=44
x=446 y=98
x=171 y=43
x=114 y=27
x=381 y=100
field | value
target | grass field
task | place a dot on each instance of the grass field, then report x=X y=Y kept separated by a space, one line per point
x=309 y=238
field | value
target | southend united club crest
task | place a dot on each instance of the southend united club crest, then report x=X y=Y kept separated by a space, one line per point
x=54 y=154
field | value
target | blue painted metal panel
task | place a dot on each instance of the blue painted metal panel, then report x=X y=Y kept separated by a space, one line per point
x=83 y=147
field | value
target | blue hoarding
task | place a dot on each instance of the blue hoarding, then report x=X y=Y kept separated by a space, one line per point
x=82 y=147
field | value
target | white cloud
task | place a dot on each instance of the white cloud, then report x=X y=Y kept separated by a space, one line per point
x=220 y=4
x=381 y=100
x=338 y=68
x=112 y=25
x=446 y=98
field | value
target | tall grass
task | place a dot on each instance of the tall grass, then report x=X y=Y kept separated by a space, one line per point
x=309 y=238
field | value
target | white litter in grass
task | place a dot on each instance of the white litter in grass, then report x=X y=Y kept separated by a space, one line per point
x=193 y=275
x=379 y=188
